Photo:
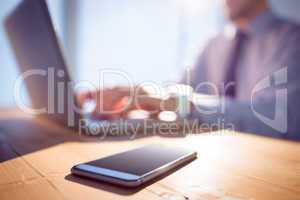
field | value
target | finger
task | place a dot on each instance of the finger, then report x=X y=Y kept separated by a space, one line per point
x=82 y=97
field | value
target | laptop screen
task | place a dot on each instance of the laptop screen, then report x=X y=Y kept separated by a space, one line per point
x=40 y=60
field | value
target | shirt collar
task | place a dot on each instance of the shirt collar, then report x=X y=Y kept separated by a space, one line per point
x=263 y=22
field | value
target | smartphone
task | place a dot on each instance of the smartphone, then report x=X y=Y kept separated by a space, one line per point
x=135 y=167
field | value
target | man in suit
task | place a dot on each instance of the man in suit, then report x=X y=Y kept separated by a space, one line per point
x=251 y=68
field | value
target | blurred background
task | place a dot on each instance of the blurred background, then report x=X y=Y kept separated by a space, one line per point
x=151 y=40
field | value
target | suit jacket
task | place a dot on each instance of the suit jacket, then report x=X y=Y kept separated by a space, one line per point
x=268 y=80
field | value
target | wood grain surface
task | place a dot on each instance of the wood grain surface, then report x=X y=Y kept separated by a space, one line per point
x=35 y=162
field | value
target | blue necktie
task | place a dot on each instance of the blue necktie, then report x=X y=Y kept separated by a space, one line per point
x=233 y=63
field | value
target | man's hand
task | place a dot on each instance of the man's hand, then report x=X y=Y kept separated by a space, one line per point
x=117 y=102
x=111 y=103
x=154 y=105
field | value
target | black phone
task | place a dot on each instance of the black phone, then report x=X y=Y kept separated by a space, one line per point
x=135 y=167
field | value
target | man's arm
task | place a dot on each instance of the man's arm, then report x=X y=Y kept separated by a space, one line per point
x=273 y=112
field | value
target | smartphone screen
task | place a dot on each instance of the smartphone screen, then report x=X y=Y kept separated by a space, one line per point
x=141 y=161
x=138 y=162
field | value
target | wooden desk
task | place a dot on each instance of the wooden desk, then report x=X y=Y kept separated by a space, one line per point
x=36 y=165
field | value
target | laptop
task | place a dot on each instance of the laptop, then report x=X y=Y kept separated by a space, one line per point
x=45 y=73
